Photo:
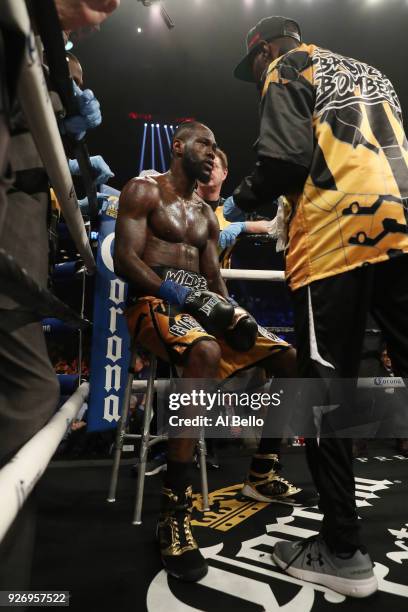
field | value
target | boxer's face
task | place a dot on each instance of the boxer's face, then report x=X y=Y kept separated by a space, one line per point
x=199 y=155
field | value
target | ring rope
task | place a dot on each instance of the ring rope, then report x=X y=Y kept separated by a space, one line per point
x=378 y=382
x=253 y=275
x=46 y=19
x=17 y=284
x=37 y=107
x=20 y=475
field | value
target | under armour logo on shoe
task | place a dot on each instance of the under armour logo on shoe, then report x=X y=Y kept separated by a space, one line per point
x=314 y=559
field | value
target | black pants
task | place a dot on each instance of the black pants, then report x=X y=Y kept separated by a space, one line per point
x=330 y=322
x=29 y=389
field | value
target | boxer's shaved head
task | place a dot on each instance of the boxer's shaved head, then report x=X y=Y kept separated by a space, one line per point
x=185 y=130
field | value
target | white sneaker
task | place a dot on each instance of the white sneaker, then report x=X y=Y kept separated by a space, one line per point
x=312 y=560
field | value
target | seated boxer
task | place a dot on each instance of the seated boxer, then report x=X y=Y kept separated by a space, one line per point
x=180 y=310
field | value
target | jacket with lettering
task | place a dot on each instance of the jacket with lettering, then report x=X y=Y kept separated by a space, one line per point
x=341 y=120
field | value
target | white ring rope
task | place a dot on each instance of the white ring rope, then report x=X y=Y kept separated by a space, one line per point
x=379 y=382
x=253 y=275
x=20 y=475
x=39 y=113
x=160 y=384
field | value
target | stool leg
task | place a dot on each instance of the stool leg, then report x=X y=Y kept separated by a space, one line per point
x=120 y=432
x=202 y=452
x=144 y=446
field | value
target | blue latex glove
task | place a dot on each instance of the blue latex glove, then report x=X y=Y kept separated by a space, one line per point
x=173 y=293
x=102 y=203
x=89 y=114
x=101 y=170
x=229 y=235
x=231 y=211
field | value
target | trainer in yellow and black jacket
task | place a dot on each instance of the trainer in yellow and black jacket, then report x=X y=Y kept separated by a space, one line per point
x=340 y=120
x=332 y=141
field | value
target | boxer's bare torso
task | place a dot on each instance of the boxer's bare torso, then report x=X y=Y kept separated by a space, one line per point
x=160 y=228
x=182 y=223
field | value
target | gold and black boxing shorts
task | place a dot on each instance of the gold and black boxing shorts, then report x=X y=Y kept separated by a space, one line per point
x=169 y=333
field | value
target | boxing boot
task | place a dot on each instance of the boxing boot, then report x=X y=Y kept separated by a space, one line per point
x=179 y=551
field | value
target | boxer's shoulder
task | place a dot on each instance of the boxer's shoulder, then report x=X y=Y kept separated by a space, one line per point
x=141 y=185
x=140 y=193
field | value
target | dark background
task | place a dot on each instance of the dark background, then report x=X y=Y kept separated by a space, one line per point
x=188 y=71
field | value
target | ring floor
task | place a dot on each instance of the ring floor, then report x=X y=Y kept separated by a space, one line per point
x=89 y=547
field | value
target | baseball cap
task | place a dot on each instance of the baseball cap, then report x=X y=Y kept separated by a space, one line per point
x=266 y=29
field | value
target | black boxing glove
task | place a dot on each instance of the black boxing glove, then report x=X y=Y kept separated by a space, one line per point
x=242 y=335
x=211 y=310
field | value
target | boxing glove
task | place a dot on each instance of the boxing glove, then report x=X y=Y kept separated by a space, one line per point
x=211 y=310
x=242 y=336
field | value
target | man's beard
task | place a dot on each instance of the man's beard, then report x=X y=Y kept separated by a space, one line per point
x=194 y=170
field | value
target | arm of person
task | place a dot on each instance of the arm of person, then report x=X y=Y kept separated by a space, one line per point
x=230 y=233
x=88 y=115
x=259 y=227
x=138 y=199
x=286 y=142
x=258 y=188
x=242 y=332
x=234 y=214
x=101 y=171
x=231 y=211
x=209 y=264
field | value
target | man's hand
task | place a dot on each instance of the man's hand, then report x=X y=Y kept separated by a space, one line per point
x=259 y=227
x=75 y=425
x=242 y=334
x=74 y=14
x=102 y=172
x=89 y=116
x=211 y=310
x=103 y=203
x=229 y=235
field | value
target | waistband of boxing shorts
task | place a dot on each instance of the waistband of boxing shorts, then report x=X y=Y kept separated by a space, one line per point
x=177 y=275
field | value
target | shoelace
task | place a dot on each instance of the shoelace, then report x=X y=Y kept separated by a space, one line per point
x=316 y=538
x=302 y=546
x=176 y=522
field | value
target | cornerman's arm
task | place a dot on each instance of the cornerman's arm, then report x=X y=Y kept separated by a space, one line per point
x=209 y=264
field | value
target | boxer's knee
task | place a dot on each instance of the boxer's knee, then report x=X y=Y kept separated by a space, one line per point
x=282 y=364
x=203 y=359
